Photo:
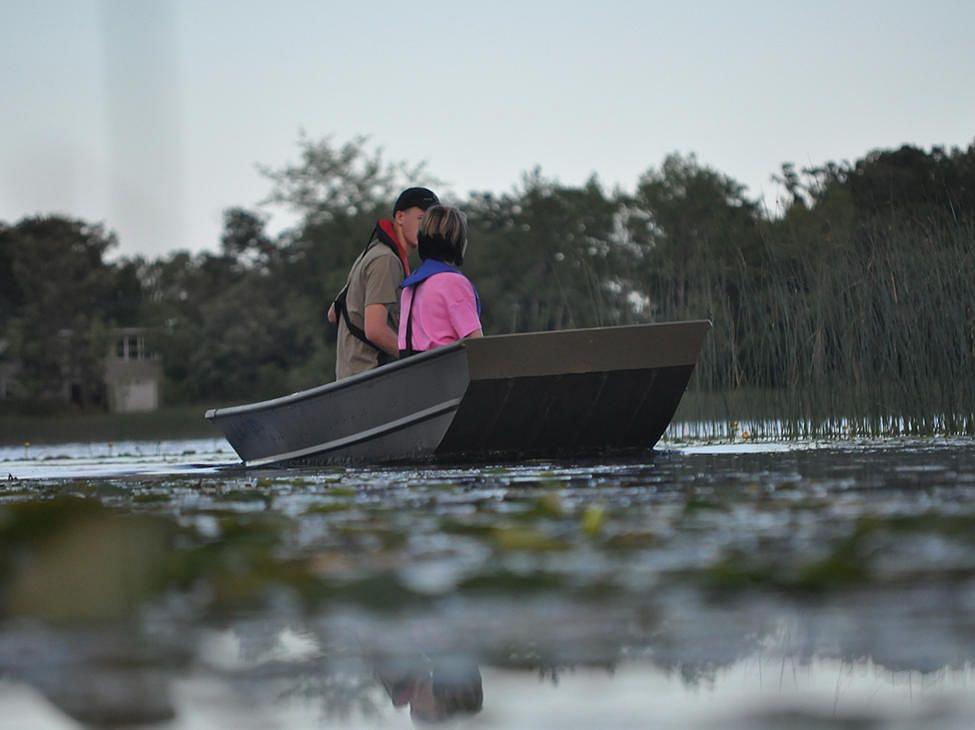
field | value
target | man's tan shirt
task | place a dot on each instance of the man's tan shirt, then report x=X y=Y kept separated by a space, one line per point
x=374 y=279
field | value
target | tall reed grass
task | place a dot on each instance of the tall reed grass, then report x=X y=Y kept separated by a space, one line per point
x=869 y=334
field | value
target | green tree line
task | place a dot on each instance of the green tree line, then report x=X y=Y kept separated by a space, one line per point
x=852 y=300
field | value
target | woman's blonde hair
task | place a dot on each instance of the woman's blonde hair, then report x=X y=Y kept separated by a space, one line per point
x=443 y=235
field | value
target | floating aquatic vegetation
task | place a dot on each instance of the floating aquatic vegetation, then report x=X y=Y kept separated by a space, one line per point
x=689 y=561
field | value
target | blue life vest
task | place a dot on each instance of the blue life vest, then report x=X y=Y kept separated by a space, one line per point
x=431 y=267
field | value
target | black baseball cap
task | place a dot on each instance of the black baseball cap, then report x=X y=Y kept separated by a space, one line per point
x=421 y=198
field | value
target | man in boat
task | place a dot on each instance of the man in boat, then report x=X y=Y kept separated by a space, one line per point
x=367 y=308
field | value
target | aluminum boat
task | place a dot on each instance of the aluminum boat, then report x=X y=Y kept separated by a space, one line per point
x=570 y=393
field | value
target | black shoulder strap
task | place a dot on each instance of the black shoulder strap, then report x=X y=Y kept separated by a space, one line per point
x=409 y=351
x=340 y=307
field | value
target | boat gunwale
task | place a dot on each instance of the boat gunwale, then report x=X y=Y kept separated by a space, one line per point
x=643 y=325
x=335 y=385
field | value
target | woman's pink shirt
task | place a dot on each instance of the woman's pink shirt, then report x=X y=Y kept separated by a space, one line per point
x=446 y=311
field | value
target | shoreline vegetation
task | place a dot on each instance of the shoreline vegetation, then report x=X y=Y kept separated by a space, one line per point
x=753 y=414
x=171 y=422
x=849 y=311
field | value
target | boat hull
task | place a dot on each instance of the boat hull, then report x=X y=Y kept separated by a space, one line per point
x=554 y=394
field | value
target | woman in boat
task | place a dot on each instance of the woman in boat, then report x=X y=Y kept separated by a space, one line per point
x=439 y=305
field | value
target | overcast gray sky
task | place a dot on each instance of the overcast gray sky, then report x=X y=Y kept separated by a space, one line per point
x=150 y=115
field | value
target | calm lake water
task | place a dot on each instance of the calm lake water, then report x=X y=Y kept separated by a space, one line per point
x=801 y=585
